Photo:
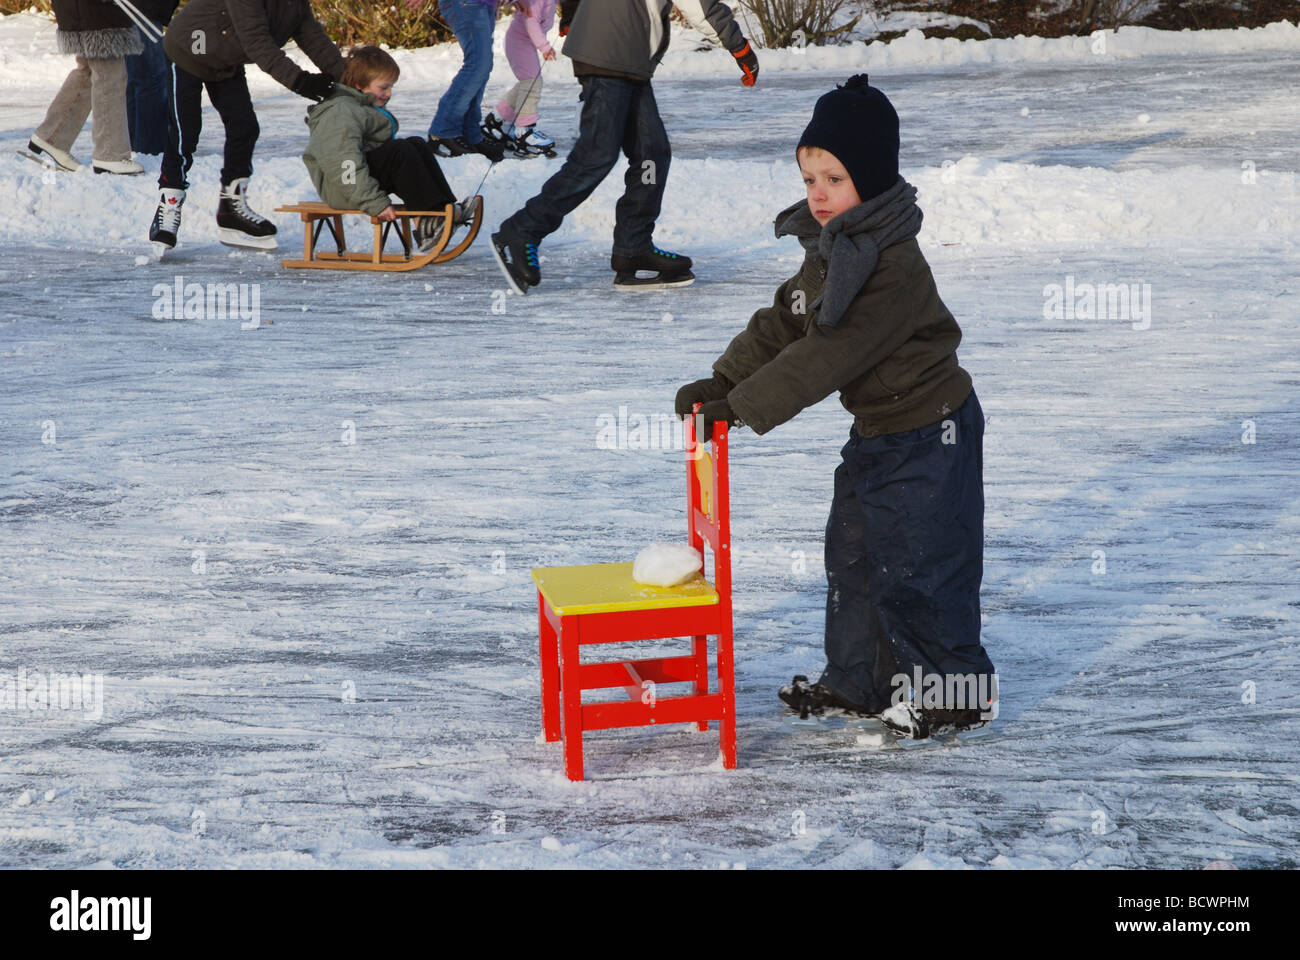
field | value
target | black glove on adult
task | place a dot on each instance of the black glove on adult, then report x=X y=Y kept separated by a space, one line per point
x=701 y=391
x=748 y=63
x=313 y=86
x=711 y=413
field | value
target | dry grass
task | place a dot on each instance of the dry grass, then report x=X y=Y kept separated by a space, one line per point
x=348 y=22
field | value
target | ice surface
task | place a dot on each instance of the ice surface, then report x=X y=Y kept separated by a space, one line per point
x=666 y=564
x=298 y=554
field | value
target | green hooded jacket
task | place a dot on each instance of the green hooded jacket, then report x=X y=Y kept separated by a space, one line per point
x=343 y=127
x=892 y=356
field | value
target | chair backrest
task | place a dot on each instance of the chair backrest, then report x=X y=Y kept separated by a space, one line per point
x=708 y=501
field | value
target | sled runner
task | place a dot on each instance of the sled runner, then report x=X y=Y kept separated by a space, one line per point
x=317 y=217
x=603 y=604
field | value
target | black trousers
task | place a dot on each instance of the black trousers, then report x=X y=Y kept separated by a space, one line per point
x=617 y=115
x=904 y=561
x=409 y=169
x=185 y=123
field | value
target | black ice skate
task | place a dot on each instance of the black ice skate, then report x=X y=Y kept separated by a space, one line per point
x=166 y=221
x=238 y=224
x=913 y=723
x=449 y=146
x=494 y=129
x=813 y=699
x=494 y=151
x=669 y=269
x=518 y=262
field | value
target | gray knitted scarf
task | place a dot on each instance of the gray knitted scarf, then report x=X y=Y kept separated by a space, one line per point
x=851 y=243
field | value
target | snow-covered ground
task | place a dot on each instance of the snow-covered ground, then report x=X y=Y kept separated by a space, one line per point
x=298 y=555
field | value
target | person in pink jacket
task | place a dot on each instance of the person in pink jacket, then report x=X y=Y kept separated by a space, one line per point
x=515 y=119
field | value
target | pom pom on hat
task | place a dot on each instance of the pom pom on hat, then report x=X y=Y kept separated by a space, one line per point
x=857 y=123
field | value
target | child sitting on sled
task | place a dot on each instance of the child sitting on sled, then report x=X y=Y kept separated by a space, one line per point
x=905 y=538
x=356 y=161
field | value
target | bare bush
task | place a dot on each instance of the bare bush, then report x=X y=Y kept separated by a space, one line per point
x=786 y=23
x=1112 y=14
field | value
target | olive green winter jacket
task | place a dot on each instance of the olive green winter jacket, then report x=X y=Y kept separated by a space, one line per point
x=344 y=126
x=892 y=356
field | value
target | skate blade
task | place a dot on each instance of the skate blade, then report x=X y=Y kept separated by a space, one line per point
x=908 y=743
x=657 y=283
x=48 y=164
x=981 y=732
x=160 y=250
x=233 y=238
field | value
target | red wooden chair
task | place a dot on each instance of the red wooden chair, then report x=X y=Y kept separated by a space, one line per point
x=601 y=603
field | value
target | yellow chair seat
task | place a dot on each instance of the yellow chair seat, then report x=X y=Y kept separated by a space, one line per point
x=609 y=588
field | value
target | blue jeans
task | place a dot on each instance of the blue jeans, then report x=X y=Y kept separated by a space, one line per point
x=905 y=557
x=146 y=97
x=617 y=116
x=460 y=111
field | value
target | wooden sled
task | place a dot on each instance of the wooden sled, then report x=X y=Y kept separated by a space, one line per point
x=317 y=216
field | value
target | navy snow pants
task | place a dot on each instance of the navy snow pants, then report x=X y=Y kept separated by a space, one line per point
x=904 y=559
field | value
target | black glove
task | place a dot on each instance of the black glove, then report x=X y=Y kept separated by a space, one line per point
x=711 y=413
x=313 y=86
x=748 y=63
x=701 y=391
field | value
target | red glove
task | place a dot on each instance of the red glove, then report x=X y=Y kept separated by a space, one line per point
x=748 y=64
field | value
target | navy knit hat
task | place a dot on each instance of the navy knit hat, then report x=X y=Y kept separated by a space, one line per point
x=858 y=124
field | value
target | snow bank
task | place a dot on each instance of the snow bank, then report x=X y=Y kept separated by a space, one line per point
x=973 y=202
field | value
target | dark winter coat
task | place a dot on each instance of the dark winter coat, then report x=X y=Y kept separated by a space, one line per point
x=231 y=33
x=345 y=126
x=95 y=29
x=159 y=11
x=892 y=356
x=630 y=37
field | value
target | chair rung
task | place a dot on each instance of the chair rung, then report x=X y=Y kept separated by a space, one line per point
x=597 y=676
x=604 y=716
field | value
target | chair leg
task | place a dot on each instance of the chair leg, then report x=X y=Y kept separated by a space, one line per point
x=701 y=653
x=570 y=698
x=550 y=660
x=727 y=690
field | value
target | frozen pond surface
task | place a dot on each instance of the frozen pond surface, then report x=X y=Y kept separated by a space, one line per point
x=298 y=555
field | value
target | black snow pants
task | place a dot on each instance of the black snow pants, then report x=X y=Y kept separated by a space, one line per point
x=185 y=123
x=904 y=561
x=409 y=169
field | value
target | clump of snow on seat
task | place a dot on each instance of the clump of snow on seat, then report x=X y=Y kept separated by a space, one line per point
x=667 y=564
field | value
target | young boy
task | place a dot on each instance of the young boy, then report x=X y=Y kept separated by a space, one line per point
x=355 y=159
x=208 y=43
x=905 y=538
